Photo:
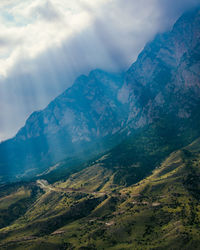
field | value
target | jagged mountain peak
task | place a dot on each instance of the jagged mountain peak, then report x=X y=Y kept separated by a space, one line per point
x=168 y=64
x=183 y=35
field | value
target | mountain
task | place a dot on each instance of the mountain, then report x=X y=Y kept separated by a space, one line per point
x=100 y=110
x=87 y=211
x=113 y=161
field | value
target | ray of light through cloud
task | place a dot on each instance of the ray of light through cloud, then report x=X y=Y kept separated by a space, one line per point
x=45 y=45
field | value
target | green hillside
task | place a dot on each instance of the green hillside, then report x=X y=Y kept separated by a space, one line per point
x=89 y=211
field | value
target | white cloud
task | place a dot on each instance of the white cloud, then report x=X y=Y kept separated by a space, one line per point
x=31 y=27
x=38 y=26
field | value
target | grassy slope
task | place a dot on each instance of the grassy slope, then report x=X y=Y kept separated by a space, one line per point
x=160 y=212
x=15 y=199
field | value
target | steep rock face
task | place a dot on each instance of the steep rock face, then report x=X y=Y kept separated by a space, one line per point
x=165 y=78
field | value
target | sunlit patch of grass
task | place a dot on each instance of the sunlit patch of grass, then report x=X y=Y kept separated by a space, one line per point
x=8 y=200
x=92 y=178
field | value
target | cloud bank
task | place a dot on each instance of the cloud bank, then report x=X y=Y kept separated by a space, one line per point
x=45 y=45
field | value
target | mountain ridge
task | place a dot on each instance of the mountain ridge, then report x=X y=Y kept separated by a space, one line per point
x=164 y=81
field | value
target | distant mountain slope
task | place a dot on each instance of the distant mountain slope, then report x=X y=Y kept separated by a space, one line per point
x=159 y=212
x=99 y=110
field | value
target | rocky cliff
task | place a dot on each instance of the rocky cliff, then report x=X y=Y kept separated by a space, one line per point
x=166 y=76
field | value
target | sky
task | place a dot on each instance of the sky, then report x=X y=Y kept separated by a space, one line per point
x=46 y=44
